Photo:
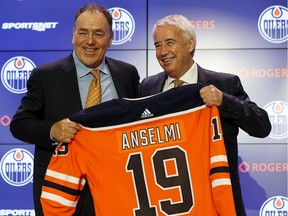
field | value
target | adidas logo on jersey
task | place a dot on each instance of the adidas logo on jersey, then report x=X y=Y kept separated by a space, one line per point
x=146 y=114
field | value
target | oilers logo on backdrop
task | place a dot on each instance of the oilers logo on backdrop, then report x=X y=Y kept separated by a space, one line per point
x=277 y=205
x=15 y=73
x=123 y=25
x=16 y=167
x=273 y=24
x=278 y=115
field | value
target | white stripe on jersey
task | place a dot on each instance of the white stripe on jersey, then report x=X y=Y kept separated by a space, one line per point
x=58 y=199
x=65 y=177
x=218 y=158
x=219 y=182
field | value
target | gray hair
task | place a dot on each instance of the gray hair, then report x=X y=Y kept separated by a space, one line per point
x=181 y=23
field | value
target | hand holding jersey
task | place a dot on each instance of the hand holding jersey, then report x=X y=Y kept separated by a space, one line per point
x=160 y=155
x=64 y=130
x=211 y=95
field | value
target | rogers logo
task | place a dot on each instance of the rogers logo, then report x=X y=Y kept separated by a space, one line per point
x=245 y=167
x=244 y=73
x=5 y=120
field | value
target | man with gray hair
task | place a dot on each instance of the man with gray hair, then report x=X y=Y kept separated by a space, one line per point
x=175 y=42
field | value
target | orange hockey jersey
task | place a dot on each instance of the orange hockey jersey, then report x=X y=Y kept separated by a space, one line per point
x=144 y=157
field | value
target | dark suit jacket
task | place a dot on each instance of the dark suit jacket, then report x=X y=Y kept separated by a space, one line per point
x=236 y=111
x=53 y=94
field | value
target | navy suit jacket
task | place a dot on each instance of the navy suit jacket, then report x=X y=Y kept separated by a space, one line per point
x=236 y=111
x=52 y=95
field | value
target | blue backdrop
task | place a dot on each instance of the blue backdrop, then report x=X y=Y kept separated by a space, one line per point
x=247 y=38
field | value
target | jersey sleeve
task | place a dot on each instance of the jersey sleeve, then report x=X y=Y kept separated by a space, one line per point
x=219 y=170
x=63 y=183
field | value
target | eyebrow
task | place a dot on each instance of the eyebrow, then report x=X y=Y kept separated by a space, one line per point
x=167 y=40
x=94 y=30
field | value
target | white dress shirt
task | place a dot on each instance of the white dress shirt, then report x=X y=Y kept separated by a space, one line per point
x=189 y=77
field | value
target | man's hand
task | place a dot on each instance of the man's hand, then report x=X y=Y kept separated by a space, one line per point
x=211 y=95
x=64 y=130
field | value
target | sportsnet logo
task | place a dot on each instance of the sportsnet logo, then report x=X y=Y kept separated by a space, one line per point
x=35 y=26
x=123 y=25
x=146 y=114
x=17 y=212
x=15 y=73
x=277 y=205
x=16 y=167
x=273 y=24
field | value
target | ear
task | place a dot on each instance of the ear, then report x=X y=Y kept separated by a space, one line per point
x=73 y=39
x=191 y=44
x=110 y=40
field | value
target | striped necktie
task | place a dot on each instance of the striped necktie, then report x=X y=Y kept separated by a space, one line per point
x=94 y=93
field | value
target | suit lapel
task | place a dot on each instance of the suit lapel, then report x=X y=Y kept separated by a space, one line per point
x=203 y=76
x=70 y=84
x=160 y=81
x=116 y=77
x=153 y=84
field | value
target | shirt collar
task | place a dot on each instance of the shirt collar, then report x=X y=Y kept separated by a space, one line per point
x=189 y=77
x=83 y=70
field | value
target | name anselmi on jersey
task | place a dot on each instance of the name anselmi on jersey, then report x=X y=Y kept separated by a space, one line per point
x=146 y=136
x=36 y=26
